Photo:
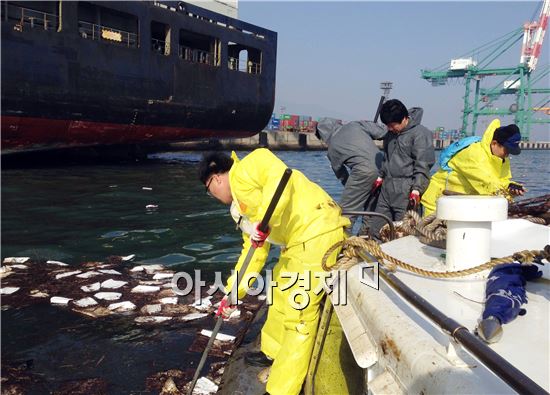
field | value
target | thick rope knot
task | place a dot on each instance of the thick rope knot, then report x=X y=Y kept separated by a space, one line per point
x=531 y=257
x=524 y=257
x=431 y=228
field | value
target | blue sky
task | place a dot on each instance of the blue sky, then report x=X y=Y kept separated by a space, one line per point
x=332 y=56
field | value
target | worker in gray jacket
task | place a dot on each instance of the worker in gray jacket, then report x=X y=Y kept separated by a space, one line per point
x=408 y=157
x=353 y=157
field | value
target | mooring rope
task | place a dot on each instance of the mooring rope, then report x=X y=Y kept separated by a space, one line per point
x=352 y=246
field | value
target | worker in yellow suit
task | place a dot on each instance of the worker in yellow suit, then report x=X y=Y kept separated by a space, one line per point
x=305 y=223
x=481 y=168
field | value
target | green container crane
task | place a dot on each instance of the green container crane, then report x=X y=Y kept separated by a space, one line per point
x=519 y=80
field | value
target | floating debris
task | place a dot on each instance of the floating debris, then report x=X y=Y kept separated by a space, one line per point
x=94 y=312
x=8 y=290
x=113 y=284
x=110 y=271
x=205 y=386
x=57 y=263
x=85 y=302
x=157 y=383
x=35 y=293
x=169 y=300
x=151 y=309
x=128 y=257
x=150 y=282
x=108 y=295
x=12 y=259
x=152 y=206
x=5 y=271
x=170 y=388
x=176 y=309
x=88 y=274
x=122 y=306
x=91 y=288
x=162 y=276
x=21 y=267
x=161 y=306
x=147 y=188
x=152 y=319
x=219 y=336
x=193 y=316
x=150 y=269
x=202 y=304
x=145 y=289
x=67 y=274
x=60 y=300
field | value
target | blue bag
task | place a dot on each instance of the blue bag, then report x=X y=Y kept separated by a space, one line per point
x=505 y=291
x=453 y=149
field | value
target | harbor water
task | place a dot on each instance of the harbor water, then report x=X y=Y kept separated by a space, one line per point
x=155 y=209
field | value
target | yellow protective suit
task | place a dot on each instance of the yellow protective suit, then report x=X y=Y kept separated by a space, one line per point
x=475 y=171
x=306 y=222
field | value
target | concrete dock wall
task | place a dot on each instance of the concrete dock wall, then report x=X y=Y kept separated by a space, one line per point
x=295 y=141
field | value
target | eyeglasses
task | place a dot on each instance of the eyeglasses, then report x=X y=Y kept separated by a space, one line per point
x=208 y=186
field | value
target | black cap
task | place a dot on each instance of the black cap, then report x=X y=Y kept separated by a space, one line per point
x=509 y=137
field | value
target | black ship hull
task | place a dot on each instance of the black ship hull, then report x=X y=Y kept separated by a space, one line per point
x=61 y=88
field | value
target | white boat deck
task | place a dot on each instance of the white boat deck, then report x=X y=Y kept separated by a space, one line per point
x=421 y=360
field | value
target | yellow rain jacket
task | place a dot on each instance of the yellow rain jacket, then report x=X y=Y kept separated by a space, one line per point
x=475 y=171
x=306 y=222
x=304 y=211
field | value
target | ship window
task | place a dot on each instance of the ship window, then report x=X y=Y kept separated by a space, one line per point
x=160 y=38
x=199 y=48
x=243 y=58
x=107 y=25
x=37 y=15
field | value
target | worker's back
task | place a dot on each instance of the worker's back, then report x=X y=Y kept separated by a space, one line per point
x=351 y=144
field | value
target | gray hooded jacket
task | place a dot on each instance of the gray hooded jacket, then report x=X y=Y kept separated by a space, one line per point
x=408 y=157
x=350 y=145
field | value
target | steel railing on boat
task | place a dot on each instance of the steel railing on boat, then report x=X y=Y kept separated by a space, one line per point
x=26 y=17
x=244 y=66
x=92 y=31
x=197 y=55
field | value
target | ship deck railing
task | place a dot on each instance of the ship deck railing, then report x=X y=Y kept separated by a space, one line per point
x=246 y=66
x=26 y=17
x=197 y=55
x=92 y=31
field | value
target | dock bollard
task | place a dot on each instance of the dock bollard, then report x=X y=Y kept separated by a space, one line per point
x=469 y=227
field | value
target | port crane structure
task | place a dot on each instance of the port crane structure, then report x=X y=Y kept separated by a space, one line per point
x=520 y=80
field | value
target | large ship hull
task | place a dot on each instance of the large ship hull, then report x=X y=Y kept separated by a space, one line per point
x=62 y=89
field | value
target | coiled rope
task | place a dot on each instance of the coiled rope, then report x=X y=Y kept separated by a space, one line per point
x=431 y=228
x=352 y=247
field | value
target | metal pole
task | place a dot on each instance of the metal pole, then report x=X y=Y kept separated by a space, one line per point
x=466 y=112
x=521 y=100
x=476 y=104
x=529 y=114
x=498 y=365
x=380 y=103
